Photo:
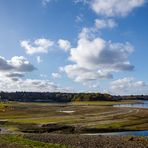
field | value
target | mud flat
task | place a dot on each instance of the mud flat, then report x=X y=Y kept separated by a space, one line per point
x=85 y=141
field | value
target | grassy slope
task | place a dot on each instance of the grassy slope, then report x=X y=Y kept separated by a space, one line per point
x=102 y=103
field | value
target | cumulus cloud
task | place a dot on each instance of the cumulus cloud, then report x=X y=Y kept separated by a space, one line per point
x=15 y=75
x=12 y=77
x=95 y=58
x=84 y=75
x=105 y=23
x=38 y=85
x=12 y=83
x=20 y=64
x=111 y=8
x=64 y=44
x=7 y=84
x=16 y=64
x=126 y=84
x=38 y=46
x=4 y=64
x=14 y=69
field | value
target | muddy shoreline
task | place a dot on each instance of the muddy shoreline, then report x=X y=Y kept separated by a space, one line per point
x=86 y=141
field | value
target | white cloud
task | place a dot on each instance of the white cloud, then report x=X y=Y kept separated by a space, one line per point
x=56 y=75
x=95 y=58
x=16 y=64
x=39 y=60
x=38 y=85
x=4 y=64
x=15 y=75
x=7 y=84
x=16 y=82
x=113 y=8
x=64 y=44
x=14 y=69
x=84 y=75
x=30 y=85
x=105 y=23
x=126 y=85
x=38 y=46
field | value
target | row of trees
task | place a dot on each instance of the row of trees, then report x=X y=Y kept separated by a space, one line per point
x=63 y=97
x=52 y=97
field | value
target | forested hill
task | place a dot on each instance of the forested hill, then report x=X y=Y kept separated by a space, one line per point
x=61 y=97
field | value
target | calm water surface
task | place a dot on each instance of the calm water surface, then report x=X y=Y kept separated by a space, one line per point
x=131 y=133
x=143 y=104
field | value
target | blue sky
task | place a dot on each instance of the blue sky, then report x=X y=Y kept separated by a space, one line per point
x=74 y=45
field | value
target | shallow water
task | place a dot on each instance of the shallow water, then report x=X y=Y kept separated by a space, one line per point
x=144 y=104
x=129 y=133
x=67 y=111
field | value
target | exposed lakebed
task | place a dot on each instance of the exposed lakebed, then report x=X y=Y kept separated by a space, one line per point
x=143 y=104
x=96 y=118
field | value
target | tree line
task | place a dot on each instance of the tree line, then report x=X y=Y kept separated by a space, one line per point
x=52 y=96
x=63 y=97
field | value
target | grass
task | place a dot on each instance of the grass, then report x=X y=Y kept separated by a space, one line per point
x=126 y=125
x=42 y=120
x=101 y=103
x=4 y=105
x=19 y=141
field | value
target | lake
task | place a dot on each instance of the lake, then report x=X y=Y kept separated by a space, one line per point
x=143 y=104
x=128 y=133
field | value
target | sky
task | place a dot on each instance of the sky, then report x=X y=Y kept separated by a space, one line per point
x=74 y=46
